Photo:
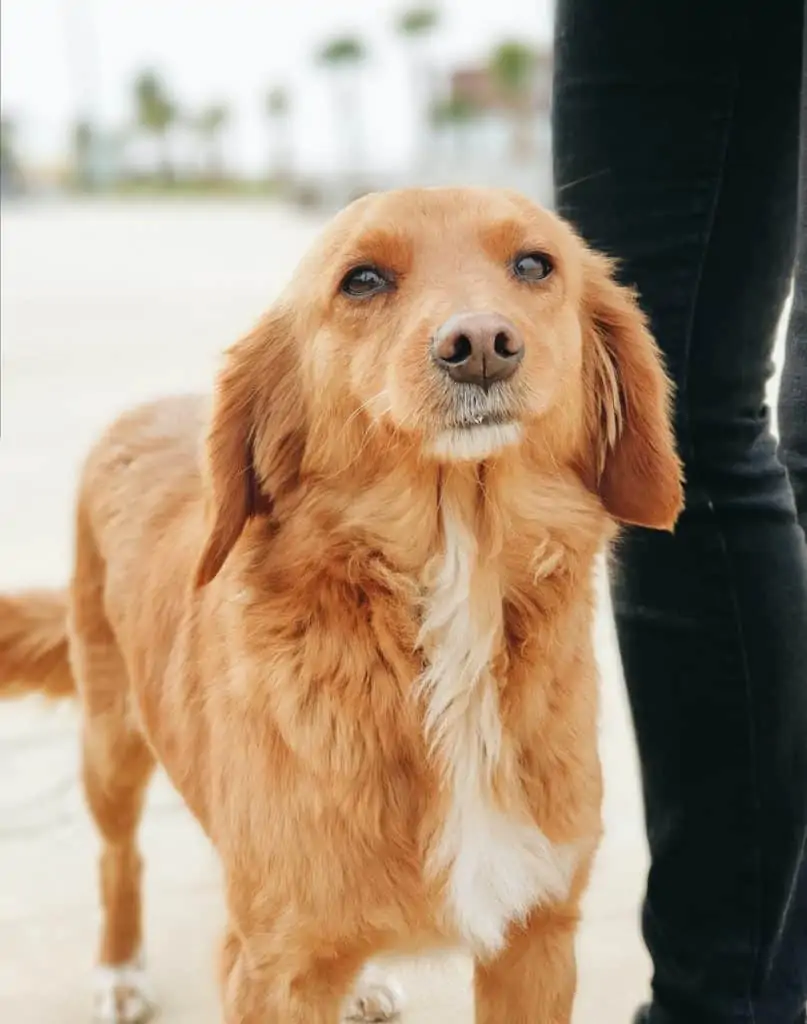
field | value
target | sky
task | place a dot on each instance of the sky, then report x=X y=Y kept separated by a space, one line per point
x=59 y=58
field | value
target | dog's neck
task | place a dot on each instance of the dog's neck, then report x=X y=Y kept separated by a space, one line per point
x=517 y=510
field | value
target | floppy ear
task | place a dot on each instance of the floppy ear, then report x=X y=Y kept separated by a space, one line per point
x=256 y=437
x=638 y=473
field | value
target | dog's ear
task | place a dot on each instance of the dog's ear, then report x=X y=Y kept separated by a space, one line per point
x=256 y=436
x=637 y=472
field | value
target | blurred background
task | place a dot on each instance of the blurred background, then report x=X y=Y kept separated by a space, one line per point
x=314 y=101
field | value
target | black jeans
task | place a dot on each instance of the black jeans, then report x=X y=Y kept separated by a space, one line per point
x=676 y=126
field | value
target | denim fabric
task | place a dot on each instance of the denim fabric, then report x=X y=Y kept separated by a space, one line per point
x=676 y=127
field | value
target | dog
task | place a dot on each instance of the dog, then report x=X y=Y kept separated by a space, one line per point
x=348 y=608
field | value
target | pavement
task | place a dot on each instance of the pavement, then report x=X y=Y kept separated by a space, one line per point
x=103 y=305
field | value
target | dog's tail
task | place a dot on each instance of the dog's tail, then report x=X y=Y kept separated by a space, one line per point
x=33 y=645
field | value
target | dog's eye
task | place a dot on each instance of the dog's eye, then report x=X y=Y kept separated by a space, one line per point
x=532 y=266
x=365 y=281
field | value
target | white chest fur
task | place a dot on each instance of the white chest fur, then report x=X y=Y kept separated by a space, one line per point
x=499 y=866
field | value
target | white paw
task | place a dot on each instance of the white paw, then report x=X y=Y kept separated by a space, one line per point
x=122 y=994
x=376 y=998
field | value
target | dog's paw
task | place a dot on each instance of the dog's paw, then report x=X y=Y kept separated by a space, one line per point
x=122 y=994
x=376 y=998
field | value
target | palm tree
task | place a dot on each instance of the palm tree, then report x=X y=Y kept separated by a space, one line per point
x=278 y=109
x=343 y=56
x=415 y=26
x=344 y=50
x=10 y=177
x=156 y=114
x=209 y=125
x=83 y=144
x=455 y=114
x=418 y=21
x=512 y=67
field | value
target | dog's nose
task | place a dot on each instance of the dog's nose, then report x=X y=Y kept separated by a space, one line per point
x=478 y=348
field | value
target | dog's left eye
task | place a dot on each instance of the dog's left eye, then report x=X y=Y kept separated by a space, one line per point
x=532 y=266
x=365 y=281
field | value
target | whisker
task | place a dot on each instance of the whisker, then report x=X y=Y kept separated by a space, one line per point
x=581 y=181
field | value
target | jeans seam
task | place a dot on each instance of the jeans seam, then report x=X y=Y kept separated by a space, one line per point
x=721 y=537
x=752 y=745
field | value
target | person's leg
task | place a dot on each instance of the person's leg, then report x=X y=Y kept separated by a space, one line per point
x=791 y=965
x=675 y=129
x=793 y=392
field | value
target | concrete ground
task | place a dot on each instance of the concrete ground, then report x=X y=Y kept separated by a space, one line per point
x=103 y=305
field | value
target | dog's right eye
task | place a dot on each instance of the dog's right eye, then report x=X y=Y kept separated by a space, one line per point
x=361 y=282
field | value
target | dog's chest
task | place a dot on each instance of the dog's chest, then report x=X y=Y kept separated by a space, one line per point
x=498 y=866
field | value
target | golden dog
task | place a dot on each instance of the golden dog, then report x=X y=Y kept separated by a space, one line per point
x=349 y=610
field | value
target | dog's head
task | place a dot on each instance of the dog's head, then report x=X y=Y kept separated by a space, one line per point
x=447 y=325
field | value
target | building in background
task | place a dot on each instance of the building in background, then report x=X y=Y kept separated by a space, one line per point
x=479 y=87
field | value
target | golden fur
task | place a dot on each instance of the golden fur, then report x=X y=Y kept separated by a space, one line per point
x=355 y=627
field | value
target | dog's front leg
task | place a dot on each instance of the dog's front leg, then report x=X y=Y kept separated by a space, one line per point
x=533 y=979
x=302 y=989
x=295 y=986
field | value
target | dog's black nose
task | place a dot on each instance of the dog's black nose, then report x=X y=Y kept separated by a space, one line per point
x=478 y=348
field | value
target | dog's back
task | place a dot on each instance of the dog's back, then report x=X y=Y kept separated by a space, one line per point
x=143 y=476
x=140 y=491
x=140 y=517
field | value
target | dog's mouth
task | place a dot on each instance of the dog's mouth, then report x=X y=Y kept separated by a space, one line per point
x=470 y=406
x=487 y=420
x=479 y=423
x=475 y=442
